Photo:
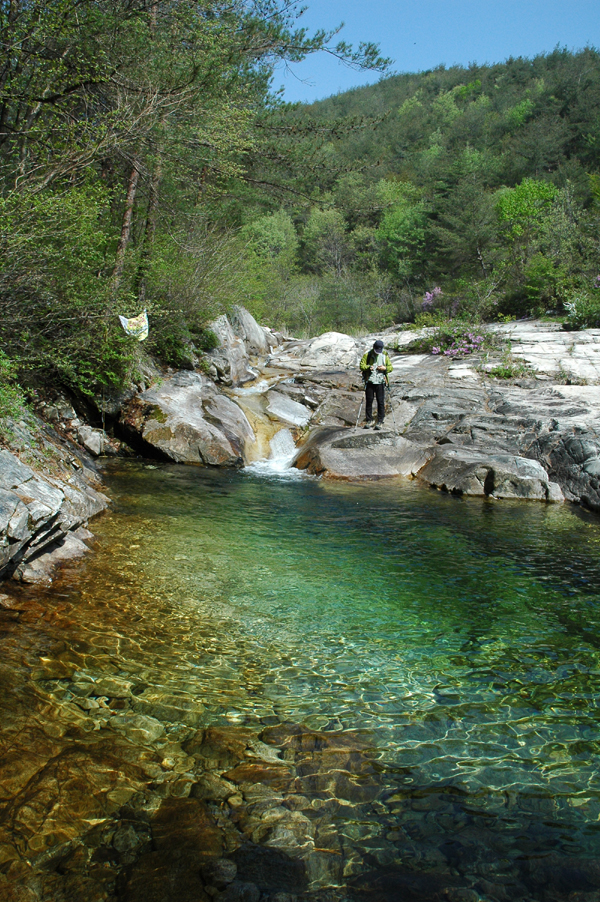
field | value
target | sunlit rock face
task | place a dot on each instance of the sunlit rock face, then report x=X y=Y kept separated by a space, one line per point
x=468 y=472
x=531 y=438
x=230 y=359
x=241 y=341
x=361 y=454
x=248 y=330
x=187 y=419
x=328 y=350
x=42 y=506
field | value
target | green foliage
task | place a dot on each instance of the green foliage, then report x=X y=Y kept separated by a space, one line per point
x=12 y=398
x=544 y=281
x=509 y=367
x=160 y=174
x=402 y=236
x=273 y=237
x=521 y=209
x=326 y=243
x=57 y=318
x=583 y=310
x=127 y=130
x=455 y=339
x=207 y=340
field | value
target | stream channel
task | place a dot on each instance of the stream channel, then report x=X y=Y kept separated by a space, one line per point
x=369 y=691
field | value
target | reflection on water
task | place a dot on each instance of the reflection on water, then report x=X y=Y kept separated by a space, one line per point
x=448 y=648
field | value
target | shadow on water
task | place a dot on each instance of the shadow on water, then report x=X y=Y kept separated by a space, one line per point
x=348 y=692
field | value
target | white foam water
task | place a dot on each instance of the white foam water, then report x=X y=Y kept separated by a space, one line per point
x=282 y=451
x=257 y=388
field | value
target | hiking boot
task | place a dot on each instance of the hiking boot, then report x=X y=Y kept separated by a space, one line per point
x=368 y=424
x=378 y=424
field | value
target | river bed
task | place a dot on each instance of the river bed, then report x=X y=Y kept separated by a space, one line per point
x=351 y=691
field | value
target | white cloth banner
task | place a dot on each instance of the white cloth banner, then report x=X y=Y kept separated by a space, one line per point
x=137 y=326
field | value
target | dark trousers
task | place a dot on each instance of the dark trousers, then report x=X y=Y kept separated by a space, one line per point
x=379 y=392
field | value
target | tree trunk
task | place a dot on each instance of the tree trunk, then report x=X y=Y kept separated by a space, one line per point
x=126 y=226
x=149 y=231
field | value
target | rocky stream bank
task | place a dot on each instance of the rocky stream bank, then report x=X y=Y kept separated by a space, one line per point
x=113 y=788
x=448 y=424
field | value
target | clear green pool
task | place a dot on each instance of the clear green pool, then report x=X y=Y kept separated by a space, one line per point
x=463 y=636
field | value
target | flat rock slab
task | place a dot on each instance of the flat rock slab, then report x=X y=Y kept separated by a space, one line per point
x=360 y=454
x=328 y=350
x=550 y=350
x=470 y=472
x=286 y=409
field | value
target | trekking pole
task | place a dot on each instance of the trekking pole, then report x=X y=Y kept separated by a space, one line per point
x=391 y=406
x=359 y=410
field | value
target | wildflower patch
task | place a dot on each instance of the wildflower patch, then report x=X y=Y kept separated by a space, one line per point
x=456 y=340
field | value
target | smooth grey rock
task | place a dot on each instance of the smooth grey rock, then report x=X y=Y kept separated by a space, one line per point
x=80 y=505
x=12 y=471
x=83 y=534
x=43 y=500
x=284 y=408
x=470 y=472
x=355 y=454
x=245 y=327
x=328 y=350
x=230 y=359
x=190 y=421
x=93 y=440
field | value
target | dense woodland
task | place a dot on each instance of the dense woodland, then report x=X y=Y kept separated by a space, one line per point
x=145 y=164
x=474 y=194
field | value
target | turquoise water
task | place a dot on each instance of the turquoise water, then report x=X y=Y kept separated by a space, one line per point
x=461 y=636
x=465 y=633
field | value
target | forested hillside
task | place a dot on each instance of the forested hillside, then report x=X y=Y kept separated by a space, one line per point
x=128 y=131
x=475 y=194
x=144 y=164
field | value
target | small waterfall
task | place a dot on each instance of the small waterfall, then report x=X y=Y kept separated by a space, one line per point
x=281 y=454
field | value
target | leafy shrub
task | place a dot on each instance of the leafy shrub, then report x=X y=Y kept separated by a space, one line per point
x=583 y=311
x=455 y=339
x=207 y=340
x=12 y=399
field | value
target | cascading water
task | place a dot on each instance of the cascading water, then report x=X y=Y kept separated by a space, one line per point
x=282 y=451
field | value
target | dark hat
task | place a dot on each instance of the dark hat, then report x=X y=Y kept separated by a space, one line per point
x=378 y=346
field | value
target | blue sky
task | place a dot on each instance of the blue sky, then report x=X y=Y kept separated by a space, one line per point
x=422 y=34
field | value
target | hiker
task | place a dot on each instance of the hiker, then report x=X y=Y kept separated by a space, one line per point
x=375 y=367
